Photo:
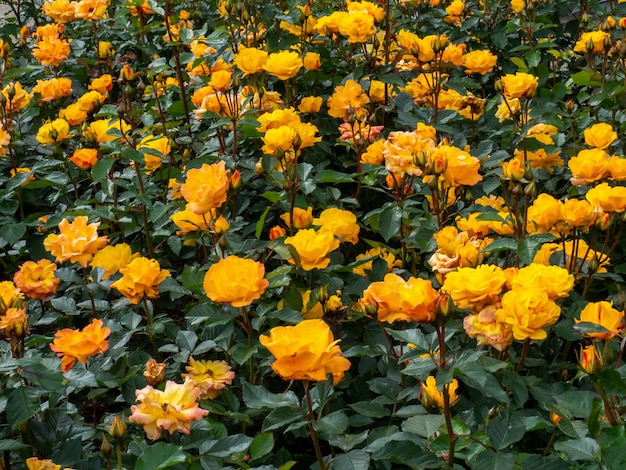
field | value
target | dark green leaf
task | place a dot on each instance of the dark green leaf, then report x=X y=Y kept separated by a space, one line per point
x=227 y=446
x=256 y=396
x=504 y=430
x=23 y=403
x=424 y=425
x=261 y=445
x=489 y=460
x=160 y=455
x=389 y=222
x=13 y=232
x=281 y=417
x=101 y=169
x=353 y=460
x=579 y=449
x=333 y=424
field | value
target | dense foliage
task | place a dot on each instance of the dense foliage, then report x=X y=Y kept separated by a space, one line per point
x=312 y=235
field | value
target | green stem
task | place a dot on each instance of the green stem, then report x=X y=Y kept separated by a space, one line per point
x=451 y=435
x=314 y=437
x=118 y=451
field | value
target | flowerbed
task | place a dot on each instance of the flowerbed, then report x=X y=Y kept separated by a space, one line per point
x=312 y=235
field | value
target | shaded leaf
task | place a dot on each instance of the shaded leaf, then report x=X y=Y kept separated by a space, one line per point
x=160 y=455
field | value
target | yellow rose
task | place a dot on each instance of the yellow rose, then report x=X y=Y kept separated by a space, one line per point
x=302 y=218
x=61 y=11
x=188 y=221
x=98 y=130
x=220 y=80
x=520 y=85
x=283 y=65
x=590 y=361
x=486 y=330
x=206 y=188
x=341 y=222
x=310 y=104
x=555 y=281
x=102 y=84
x=591 y=42
x=250 y=60
x=617 y=168
x=311 y=61
x=112 y=258
x=578 y=214
x=603 y=314
x=313 y=247
x=431 y=397
x=607 y=198
x=160 y=146
x=469 y=286
x=235 y=281
x=543 y=214
x=480 y=62
x=529 y=311
x=518 y=5
x=209 y=376
x=400 y=300
x=514 y=169
x=54 y=132
x=306 y=351
x=105 y=49
x=51 y=51
x=357 y=26
x=141 y=278
x=588 y=166
x=600 y=135
x=53 y=89
x=280 y=138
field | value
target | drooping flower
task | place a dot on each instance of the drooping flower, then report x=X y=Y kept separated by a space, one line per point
x=14 y=323
x=432 y=397
x=141 y=278
x=209 y=376
x=155 y=372
x=206 y=188
x=306 y=351
x=313 y=247
x=235 y=281
x=602 y=313
x=36 y=279
x=77 y=241
x=173 y=409
x=79 y=345
x=112 y=258
x=400 y=300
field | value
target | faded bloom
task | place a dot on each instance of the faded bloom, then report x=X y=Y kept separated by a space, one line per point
x=209 y=376
x=284 y=64
x=77 y=242
x=14 y=323
x=602 y=314
x=341 y=222
x=306 y=351
x=313 y=247
x=155 y=372
x=432 y=397
x=37 y=280
x=10 y=296
x=400 y=300
x=79 y=345
x=141 y=278
x=173 y=409
x=113 y=257
x=235 y=281
x=529 y=311
x=600 y=135
x=486 y=330
x=206 y=188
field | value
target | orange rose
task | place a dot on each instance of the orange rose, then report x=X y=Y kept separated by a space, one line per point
x=78 y=345
x=431 y=397
x=313 y=247
x=112 y=258
x=53 y=89
x=77 y=242
x=306 y=351
x=141 y=278
x=84 y=158
x=529 y=311
x=235 y=281
x=206 y=188
x=37 y=280
x=603 y=314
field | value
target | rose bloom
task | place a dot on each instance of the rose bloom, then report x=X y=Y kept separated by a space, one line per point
x=518 y=5
x=84 y=158
x=209 y=376
x=544 y=213
x=284 y=64
x=235 y=281
x=277 y=232
x=373 y=154
x=220 y=79
x=280 y=139
x=188 y=221
x=603 y=314
x=486 y=330
x=529 y=311
x=310 y=104
x=112 y=258
x=306 y=351
x=348 y=98
x=54 y=132
x=357 y=26
x=102 y=84
x=173 y=409
x=513 y=169
x=77 y=242
x=589 y=166
x=141 y=278
x=33 y=463
x=400 y=300
x=98 y=130
x=92 y=10
x=311 y=61
x=160 y=146
x=14 y=323
x=61 y=11
x=313 y=247
x=79 y=345
x=616 y=165
x=507 y=109
x=600 y=135
x=431 y=397
x=376 y=253
x=105 y=49
x=250 y=60
x=454 y=53
x=480 y=62
x=51 y=51
x=206 y=188
x=37 y=280
x=520 y=85
x=607 y=198
x=596 y=38
x=460 y=168
x=53 y=89
x=469 y=286
x=73 y=114
x=577 y=214
x=341 y=222
x=10 y=295
x=278 y=118
x=19 y=97
x=557 y=282
x=302 y=218
x=91 y=100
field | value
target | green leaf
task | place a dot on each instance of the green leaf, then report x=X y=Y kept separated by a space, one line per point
x=258 y=397
x=23 y=403
x=503 y=244
x=505 y=430
x=227 y=446
x=12 y=444
x=281 y=417
x=390 y=221
x=332 y=176
x=613 y=442
x=193 y=278
x=13 y=232
x=160 y=455
x=101 y=169
x=424 y=425
x=354 y=460
x=333 y=424
x=408 y=453
x=371 y=409
x=579 y=449
x=488 y=460
x=347 y=441
x=528 y=247
x=404 y=102
x=261 y=223
x=261 y=445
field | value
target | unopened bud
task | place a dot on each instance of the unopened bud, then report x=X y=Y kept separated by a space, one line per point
x=106 y=448
x=118 y=427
